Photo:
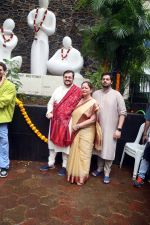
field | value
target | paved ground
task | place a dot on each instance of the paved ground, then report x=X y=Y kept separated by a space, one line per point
x=29 y=197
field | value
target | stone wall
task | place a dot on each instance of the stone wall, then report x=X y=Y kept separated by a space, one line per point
x=68 y=23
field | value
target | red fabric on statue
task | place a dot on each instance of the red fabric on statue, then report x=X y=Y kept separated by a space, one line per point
x=59 y=131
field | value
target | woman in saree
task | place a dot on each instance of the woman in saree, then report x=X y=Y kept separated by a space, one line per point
x=83 y=135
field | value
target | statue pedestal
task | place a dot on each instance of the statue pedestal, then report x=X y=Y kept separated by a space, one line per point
x=42 y=85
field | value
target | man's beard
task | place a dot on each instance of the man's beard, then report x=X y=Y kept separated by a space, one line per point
x=106 y=86
x=68 y=84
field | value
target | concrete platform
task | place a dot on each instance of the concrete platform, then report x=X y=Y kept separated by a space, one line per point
x=30 y=197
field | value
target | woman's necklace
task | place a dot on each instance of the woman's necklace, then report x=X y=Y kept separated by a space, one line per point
x=85 y=99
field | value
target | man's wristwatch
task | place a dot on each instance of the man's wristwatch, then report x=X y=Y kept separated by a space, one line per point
x=119 y=129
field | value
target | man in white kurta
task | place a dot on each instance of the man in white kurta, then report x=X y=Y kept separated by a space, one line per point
x=66 y=97
x=111 y=118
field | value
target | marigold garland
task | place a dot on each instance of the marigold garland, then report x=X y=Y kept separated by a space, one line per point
x=4 y=37
x=37 y=28
x=62 y=53
x=29 y=122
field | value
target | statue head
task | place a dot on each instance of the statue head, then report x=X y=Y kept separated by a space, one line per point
x=9 y=24
x=44 y=3
x=67 y=42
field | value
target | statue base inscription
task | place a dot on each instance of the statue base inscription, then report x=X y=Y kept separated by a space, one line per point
x=42 y=85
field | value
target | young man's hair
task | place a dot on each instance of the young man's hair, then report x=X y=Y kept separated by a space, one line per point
x=69 y=71
x=107 y=73
x=3 y=65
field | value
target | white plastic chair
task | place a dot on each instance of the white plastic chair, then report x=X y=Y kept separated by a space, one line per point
x=135 y=150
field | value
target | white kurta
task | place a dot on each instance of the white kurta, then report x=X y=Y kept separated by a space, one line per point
x=112 y=105
x=57 y=96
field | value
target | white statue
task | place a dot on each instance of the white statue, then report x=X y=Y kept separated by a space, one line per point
x=43 y=22
x=8 y=42
x=66 y=58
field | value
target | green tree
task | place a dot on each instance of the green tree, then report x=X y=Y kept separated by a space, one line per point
x=116 y=40
x=13 y=73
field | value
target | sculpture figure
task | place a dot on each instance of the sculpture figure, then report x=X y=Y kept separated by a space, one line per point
x=8 y=41
x=43 y=22
x=66 y=58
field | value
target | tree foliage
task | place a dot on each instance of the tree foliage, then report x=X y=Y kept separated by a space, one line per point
x=117 y=38
x=13 y=73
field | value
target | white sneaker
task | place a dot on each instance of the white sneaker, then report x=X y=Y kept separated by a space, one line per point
x=3 y=173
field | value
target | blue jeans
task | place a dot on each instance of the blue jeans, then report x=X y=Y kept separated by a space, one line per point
x=144 y=166
x=4 y=146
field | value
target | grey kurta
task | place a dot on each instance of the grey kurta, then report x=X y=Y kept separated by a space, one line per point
x=112 y=105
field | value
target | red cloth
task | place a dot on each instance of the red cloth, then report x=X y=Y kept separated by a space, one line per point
x=59 y=132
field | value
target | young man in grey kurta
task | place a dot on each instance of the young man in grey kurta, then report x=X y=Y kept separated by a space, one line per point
x=111 y=118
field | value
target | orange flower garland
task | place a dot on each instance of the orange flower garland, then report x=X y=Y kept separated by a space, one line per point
x=62 y=53
x=29 y=122
x=4 y=37
x=36 y=29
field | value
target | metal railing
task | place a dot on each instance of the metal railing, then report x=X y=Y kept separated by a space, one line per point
x=145 y=84
x=141 y=90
